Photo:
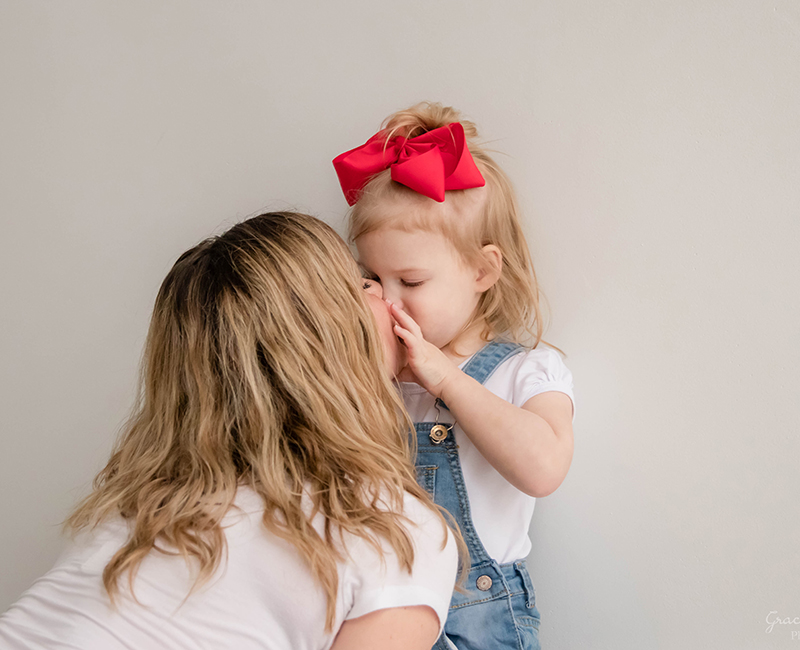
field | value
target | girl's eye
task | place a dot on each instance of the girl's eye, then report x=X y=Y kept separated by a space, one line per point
x=410 y=284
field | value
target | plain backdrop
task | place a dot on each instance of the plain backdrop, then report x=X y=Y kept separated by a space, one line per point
x=656 y=154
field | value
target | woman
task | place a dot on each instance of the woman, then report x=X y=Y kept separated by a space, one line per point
x=262 y=494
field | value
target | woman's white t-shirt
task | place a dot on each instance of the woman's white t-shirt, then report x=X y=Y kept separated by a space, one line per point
x=263 y=596
x=501 y=513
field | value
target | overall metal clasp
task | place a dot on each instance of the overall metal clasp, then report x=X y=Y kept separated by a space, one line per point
x=439 y=431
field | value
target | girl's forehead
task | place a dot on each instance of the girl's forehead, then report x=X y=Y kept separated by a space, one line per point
x=402 y=251
x=460 y=212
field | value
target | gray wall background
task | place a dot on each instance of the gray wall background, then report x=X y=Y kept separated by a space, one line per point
x=656 y=153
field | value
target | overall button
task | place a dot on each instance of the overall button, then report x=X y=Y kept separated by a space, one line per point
x=438 y=434
x=484 y=583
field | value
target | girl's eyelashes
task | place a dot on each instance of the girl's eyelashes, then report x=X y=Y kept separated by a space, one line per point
x=371 y=278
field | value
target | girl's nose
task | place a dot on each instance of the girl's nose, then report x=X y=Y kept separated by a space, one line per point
x=393 y=296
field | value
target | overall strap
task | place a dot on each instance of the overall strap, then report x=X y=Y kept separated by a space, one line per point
x=486 y=360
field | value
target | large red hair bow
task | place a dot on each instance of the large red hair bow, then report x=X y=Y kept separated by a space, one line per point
x=429 y=164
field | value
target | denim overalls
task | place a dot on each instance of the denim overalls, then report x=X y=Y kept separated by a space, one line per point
x=498 y=611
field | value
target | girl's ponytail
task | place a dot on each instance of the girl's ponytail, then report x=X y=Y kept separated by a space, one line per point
x=425 y=117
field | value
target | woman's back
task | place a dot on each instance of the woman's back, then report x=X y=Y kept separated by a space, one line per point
x=263 y=595
x=264 y=367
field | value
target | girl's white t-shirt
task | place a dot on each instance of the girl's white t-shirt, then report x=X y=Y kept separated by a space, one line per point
x=262 y=597
x=501 y=513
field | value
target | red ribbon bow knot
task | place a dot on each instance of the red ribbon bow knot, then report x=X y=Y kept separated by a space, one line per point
x=429 y=164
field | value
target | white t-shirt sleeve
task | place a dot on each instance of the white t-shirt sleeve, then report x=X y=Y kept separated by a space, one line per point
x=539 y=371
x=375 y=585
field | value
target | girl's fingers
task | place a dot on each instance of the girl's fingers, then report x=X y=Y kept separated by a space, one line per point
x=408 y=339
x=404 y=319
x=403 y=333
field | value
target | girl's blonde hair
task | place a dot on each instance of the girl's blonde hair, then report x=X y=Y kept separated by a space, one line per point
x=470 y=219
x=263 y=367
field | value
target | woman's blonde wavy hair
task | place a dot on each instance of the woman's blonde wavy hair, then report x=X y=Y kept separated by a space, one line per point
x=470 y=219
x=262 y=367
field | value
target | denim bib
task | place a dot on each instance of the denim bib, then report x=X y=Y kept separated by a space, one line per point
x=498 y=610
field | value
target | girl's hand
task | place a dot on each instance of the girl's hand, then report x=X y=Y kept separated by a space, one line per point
x=431 y=368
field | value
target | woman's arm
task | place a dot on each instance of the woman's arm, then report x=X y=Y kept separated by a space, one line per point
x=396 y=628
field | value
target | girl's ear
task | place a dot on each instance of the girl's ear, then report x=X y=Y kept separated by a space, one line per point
x=490 y=269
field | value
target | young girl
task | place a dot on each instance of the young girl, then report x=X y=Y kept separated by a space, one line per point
x=435 y=222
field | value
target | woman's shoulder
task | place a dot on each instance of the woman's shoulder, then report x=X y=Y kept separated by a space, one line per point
x=423 y=524
x=376 y=578
x=420 y=520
